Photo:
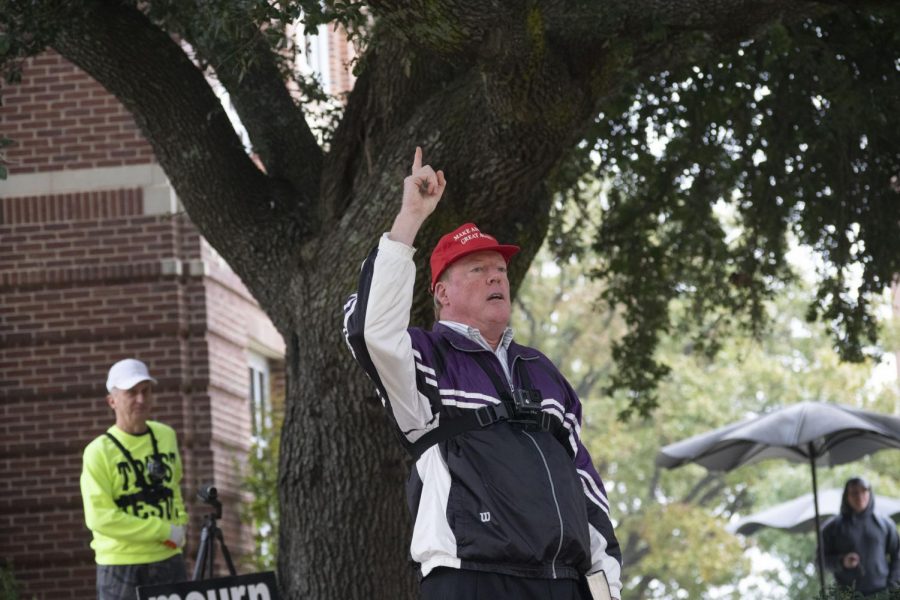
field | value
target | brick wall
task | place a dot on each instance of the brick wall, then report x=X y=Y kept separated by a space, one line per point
x=61 y=118
x=88 y=276
x=341 y=54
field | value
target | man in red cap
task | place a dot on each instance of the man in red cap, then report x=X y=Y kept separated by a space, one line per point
x=505 y=499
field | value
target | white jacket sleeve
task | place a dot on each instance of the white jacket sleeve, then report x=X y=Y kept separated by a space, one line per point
x=376 y=319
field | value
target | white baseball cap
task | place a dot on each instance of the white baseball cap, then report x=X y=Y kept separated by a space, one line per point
x=126 y=374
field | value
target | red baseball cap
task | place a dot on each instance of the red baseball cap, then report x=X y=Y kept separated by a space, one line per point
x=462 y=241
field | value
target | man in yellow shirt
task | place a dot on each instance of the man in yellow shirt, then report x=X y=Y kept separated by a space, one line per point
x=130 y=485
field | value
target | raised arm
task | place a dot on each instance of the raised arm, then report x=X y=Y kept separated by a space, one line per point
x=376 y=317
x=422 y=190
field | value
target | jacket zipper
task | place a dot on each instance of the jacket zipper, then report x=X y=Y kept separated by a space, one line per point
x=512 y=371
x=555 y=502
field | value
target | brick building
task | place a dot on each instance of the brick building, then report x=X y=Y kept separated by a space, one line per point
x=97 y=263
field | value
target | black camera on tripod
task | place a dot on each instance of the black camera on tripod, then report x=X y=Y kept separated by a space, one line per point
x=204 y=565
x=210 y=495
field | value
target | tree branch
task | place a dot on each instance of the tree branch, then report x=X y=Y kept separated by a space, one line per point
x=641 y=588
x=653 y=483
x=629 y=545
x=245 y=64
x=243 y=214
x=711 y=493
x=452 y=29
x=740 y=501
x=698 y=487
x=631 y=554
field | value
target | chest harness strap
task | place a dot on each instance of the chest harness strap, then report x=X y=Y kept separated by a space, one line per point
x=489 y=414
x=135 y=465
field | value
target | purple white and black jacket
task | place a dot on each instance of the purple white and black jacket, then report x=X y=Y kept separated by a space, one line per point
x=500 y=498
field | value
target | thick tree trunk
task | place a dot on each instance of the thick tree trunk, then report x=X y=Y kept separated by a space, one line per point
x=344 y=525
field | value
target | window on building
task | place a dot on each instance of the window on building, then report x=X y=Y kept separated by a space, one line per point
x=260 y=397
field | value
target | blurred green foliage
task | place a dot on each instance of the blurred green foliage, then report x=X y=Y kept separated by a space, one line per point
x=792 y=134
x=260 y=483
x=9 y=587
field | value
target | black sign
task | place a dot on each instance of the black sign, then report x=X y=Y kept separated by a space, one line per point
x=254 y=586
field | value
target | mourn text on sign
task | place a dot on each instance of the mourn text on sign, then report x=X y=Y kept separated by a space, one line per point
x=254 y=586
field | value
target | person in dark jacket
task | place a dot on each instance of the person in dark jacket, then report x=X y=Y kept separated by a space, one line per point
x=505 y=499
x=861 y=547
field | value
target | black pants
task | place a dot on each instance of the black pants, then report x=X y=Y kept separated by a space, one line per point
x=118 y=582
x=458 y=584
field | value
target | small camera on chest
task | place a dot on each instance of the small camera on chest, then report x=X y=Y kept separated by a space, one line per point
x=527 y=403
x=156 y=470
x=155 y=491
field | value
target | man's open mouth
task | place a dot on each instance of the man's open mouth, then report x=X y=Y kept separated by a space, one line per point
x=495 y=296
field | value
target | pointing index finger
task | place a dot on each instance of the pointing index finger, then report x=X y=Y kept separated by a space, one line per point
x=417 y=161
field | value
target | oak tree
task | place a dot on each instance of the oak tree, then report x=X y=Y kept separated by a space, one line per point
x=511 y=100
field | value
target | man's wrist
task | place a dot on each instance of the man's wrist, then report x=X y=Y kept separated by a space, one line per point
x=405 y=228
x=176 y=536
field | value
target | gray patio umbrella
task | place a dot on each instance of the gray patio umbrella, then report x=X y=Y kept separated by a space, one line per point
x=818 y=433
x=799 y=515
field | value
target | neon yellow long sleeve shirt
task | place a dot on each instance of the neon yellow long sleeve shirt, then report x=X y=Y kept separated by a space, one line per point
x=128 y=527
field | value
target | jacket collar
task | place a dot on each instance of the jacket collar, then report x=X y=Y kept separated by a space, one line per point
x=461 y=342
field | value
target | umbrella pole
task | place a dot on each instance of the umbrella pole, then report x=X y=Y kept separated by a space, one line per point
x=820 y=552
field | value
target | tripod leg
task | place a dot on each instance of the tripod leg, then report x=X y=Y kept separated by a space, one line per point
x=225 y=552
x=200 y=562
x=212 y=550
